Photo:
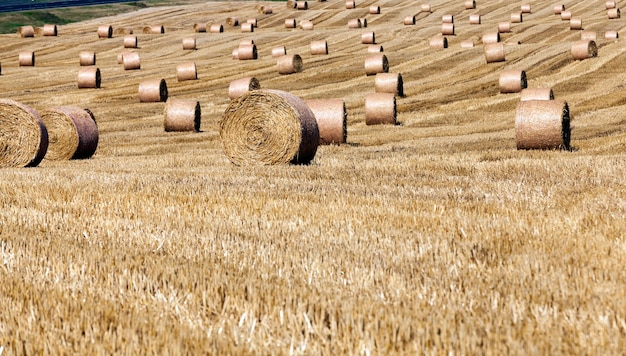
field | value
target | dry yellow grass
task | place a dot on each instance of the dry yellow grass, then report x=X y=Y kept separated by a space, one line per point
x=432 y=236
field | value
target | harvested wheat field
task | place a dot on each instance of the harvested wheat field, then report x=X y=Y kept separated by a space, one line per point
x=435 y=235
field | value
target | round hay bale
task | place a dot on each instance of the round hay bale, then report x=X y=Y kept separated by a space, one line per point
x=389 y=83
x=584 y=49
x=566 y=15
x=613 y=14
x=504 y=27
x=23 y=136
x=374 y=10
x=289 y=64
x=26 y=31
x=216 y=28
x=105 y=31
x=368 y=38
x=588 y=35
x=474 y=19
x=128 y=30
x=50 y=30
x=186 y=71
x=266 y=10
x=425 y=8
x=409 y=20
x=247 y=27
x=89 y=77
x=374 y=48
x=354 y=23
x=576 y=24
x=332 y=119
x=319 y=47
x=467 y=44
x=246 y=42
x=447 y=29
x=516 y=17
x=72 y=133
x=153 y=91
x=239 y=87
x=306 y=25
x=536 y=94
x=290 y=23
x=27 y=59
x=267 y=127
x=232 y=21
x=247 y=52
x=542 y=124
x=512 y=81
x=610 y=4
x=376 y=63
x=131 y=61
x=253 y=22
x=363 y=21
x=438 y=42
x=350 y=4
x=189 y=43
x=557 y=9
x=470 y=4
x=525 y=8
x=302 y=5
x=611 y=35
x=235 y=53
x=494 y=52
x=447 y=18
x=291 y=4
x=199 y=27
x=380 y=109
x=120 y=56
x=87 y=58
x=491 y=37
x=154 y=30
x=279 y=51
x=182 y=115
x=130 y=41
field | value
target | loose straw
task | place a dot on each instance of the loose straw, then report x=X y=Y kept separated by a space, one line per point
x=72 y=133
x=588 y=35
x=494 y=52
x=512 y=81
x=189 y=43
x=504 y=27
x=542 y=124
x=409 y=20
x=26 y=31
x=354 y=23
x=613 y=14
x=374 y=48
x=491 y=37
x=389 y=83
x=447 y=18
x=380 y=108
x=279 y=51
x=232 y=21
x=470 y=4
x=199 y=27
x=331 y=117
x=289 y=64
x=290 y=23
x=247 y=27
x=350 y=4
x=239 y=87
x=474 y=19
x=319 y=47
x=525 y=8
x=374 y=10
x=438 y=42
x=376 y=63
x=89 y=77
x=50 y=30
x=87 y=58
x=558 y=9
x=268 y=127
x=152 y=91
x=130 y=41
x=27 y=59
x=566 y=15
x=447 y=29
x=576 y=24
x=247 y=52
x=611 y=35
x=537 y=94
x=186 y=71
x=302 y=5
x=216 y=28
x=584 y=49
x=516 y=17
x=105 y=31
x=23 y=136
x=368 y=38
x=182 y=115
x=131 y=61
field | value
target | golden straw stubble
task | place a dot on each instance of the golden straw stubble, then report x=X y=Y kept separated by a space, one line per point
x=542 y=124
x=268 y=127
x=182 y=115
x=72 y=132
x=153 y=90
x=332 y=118
x=23 y=136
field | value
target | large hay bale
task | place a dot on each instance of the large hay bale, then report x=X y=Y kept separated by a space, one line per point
x=89 y=77
x=474 y=19
x=512 y=81
x=186 y=71
x=557 y=9
x=332 y=119
x=467 y=44
x=542 y=124
x=87 y=58
x=26 y=31
x=470 y=4
x=409 y=20
x=290 y=23
x=216 y=28
x=374 y=10
x=302 y=5
x=494 y=52
x=516 y=17
x=438 y=42
x=575 y=24
x=537 y=94
x=613 y=14
x=131 y=61
x=447 y=29
x=611 y=35
x=319 y=47
x=376 y=63
x=182 y=115
x=425 y=8
x=72 y=133
x=354 y=23
x=389 y=83
x=380 y=109
x=279 y=51
x=105 y=31
x=199 y=27
x=241 y=86
x=374 y=48
x=289 y=64
x=23 y=136
x=491 y=37
x=368 y=38
x=525 y=8
x=306 y=25
x=232 y=21
x=247 y=52
x=50 y=30
x=447 y=18
x=130 y=41
x=350 y=4
x=504 y=27
x=26 y=59
x=584 y=49
x=566 y=15
x=189 y=43
x=153 y=90
x=247 y=27
x=269 y=127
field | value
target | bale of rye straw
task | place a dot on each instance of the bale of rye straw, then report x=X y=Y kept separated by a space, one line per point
x=470 y=4
x=467 y=44
x=186 y=71
x=389 y=83
x=494 y=52
x=87 y=58
x=363 y=21
x=247 y=52
x=267 y=127
x=154 y=30
x=425 y=8
x=302 y=5
x=557 y=9
x=120 y=56
x=247 y=27
x=291 y=4
x=566 y=15
x=374 y=48
x=516 y=17
x=491 y=37
x=575 y=24
x=216 y=28
x=199 y=27
x=290 y=23
x=50 y=30
x=368 y=38
x=26 y=31
x=525 y=8
x=105 y=31
x=27 y=59
x=512 y=81
x=542 y=124
x=504 y=27
x=611 y=35
x=447 y=29
x=130 y=41
x=89 y=78
x=253 y=22
x=409 y=20
x=306 y=25
x=189 y=43
x=354 y=23
x=350 y=4
x=376 y=63
x=182 y=115
x=279 y=51
x=584 y=49
x=131 y=61
x=536 y=94
x=239 y=87
x=613 y=14
x=474 y=19
x=152 y=91
x=289 y=64
x=611 y=4
x=332 y=119
x=72 y=133
x=447 y=18
x=380 y=109
x=319 y=47
x=23 y=136
x=374 y=10
x=127 y=30
x=438 y=42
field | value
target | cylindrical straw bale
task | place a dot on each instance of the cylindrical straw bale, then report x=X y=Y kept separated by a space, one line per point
x=376 y=63
x=306 y=25
x=319 y=47
x=152 y=91
x=350 y=4
x=447 y=18
x=474 y=19
x=266 y=10
x=409 y=20
x=494 y=52
x=247 y=52
x=588 y=35
x=290 y=23
x=332 y=119
x=374 y=10
x=130 y=41
x=27 y=59
x=611 y=35
x=291 y=4
x=279 y=51
x=131 y=61
x=512 y=81
x=182 y=115
x=491 y=37
x=467 y=44
x=127 y=30
x=253 y=22
x=26 y=31
x=576 y=24
x=87 y=58
x=216 y=28
x=542 y=124
x=247 y=27
x=189 y=43
x=425 y=8
x=289 y=64
x=354 y=23
x=120 y=57
x=558 y=9
x=186 y=71
x=246 y=42
x=504 y=27
x=268 y=127
x=89 y=77
x=380 y=108
x=235 y=53
x=447 y=29
x=363 y=22
x=389 y=83
x=516 y=17
x=302 y=5
x=584 y=49
x=537 y=94
x=610 y=4
x=239 y=87
x=105 y=31
x=72 y=133
x=50 y=30
x=566 y=15
x=232 y=21
x=525 y=8
x=438 y=42
x=23 y=136
x=470 y=4
x=368 y=38
x=374 y=48
x=199 y=27
x=155 y=30
x=613 y=14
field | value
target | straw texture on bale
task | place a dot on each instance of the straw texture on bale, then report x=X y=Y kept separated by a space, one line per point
x=279 y=51
x=72 y=133
x=89 y=77
x=525 y=8
x=368 y=38
x=557 y=9
x=380 y=109
x=389 y=83
x=610 y=4
x=613 y=13
x=232 y=21
x=542 y=124
x=216 y=28
x=494 y=52
x=516 y=17
x=289 y=64
x=182 y=115
x=566 y=15
x=199 y=27
x=247 y=27
x=189 y=43
x=186 y=71
x=611 y=35
x=87 y=58
x=584 y=49
x=409 y=20
x=26 y=31
x=512 y=81
x=27 y=59
x=576 y=24
x=374 y=10
x=537 y=94
x=291 y=4
x=588 y=35
x=268 y=127
x=128 y=30
x=131 y=61
x=504 y=27
x=152 y=91
x=354 y=23
x=319 y=47
x=265 y=10
x=425 y=8
x=253 y=22
x=120 y=57
x=239 y=87
x=332 y=119
x=50 y=30
x=154 y=30
x=290 y=23
x=491 y=37
x=23 y=136
x=470 y=4
x=302 y=5
x=438 y=42
x=376 y=63
x=474 y=19
x=374 y=48
x=447 y=29
x=447 y=18
x=130 y=41
x=306 y=25
x=350 y=4
x=467 y=44
x=105 y=31
x=247 y=52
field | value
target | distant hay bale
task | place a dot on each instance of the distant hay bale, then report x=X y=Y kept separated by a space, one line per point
x=491 y=37
x=302 y=5
x=368 y=38
x=504 y=27
x=319 y=47
x=216 y=28
x=120 y=56
x=376 y=63
x=72 y=133
x=186 y=71
x=542 y=124
x=130 y=41
x=537 y=94
x=588 y=35
x=182 y=115
x=153 y=91
x=470 y=4
x=374 y=48
x=494 y=52
x=447 y=18
x=239 y=87
x=389 y=83
x=447 y=29
x=154 y=30
x=363 y=21
x=512 y=81
x=611 y=35
x=23 y=136
x=265 y=10
x=613 y=14
x=438 y=42
x=289 y=64
x=279 y=51
x=350 y=4
x=253 y=22
x=332 y=118
x=26 y=59
x=409 y=20
x=50 y=30
x=374 y=10
x=380 y=109
x=474 y=19
x=354 y=23
x=247 y=52
x=199 y=27
x=128 y=30
x=525 y=8
x=576 y=24
x=291 y=4
x=566 y=15
x=131 y=61
x=516 y=17
x=87 y=58
x=105 y=31
x=247 y=27
x=425 y=8
x=26 y=31
x=232 y=21
x=557 y=9
x=467 y=44
x=189 y=43
x=89 y=78
x=584 y=49
x=306 y=25
x=610 y=4
x=290 y=23
x=268 y=127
